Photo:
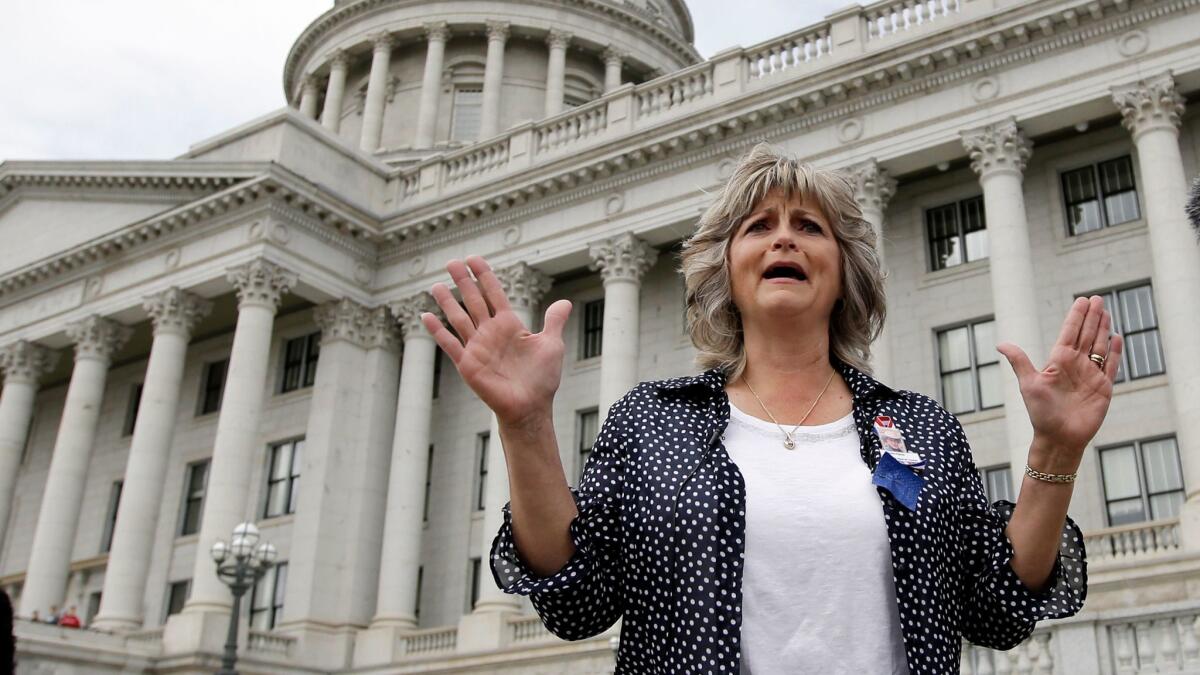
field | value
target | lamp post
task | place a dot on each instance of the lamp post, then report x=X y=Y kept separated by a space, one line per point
x=240 y=564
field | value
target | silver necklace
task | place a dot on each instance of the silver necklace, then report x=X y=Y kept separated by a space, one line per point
x=788 y=441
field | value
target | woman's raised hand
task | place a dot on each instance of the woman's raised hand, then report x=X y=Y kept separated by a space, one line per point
x=513 y=371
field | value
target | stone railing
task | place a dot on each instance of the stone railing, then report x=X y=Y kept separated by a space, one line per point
x=1031 y=656
x=145 y=641
x=570 y=128
x=265 y=642
x=672 y=92
x=1162 y=643
x=529 y=629
x=1132 y=542
x=890 y=17
x=789 y=52
x=429 y=641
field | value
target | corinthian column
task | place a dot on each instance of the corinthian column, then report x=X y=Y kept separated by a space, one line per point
x=1151 y=110
x=436 y=35
x=331 y=116
x=556 y=67
x=998 y=155
x=175 y=313
x=873 y=189
x=23 y=364
x=612 y=68
x=377 y=83
x=622 y=261
x=260 y=286
x=308 y=97
x=95 y=339
x=493 y=78
x=401 y=556
x=525 y=287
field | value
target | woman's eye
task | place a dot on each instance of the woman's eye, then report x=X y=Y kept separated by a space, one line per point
x=811 y=226
x=755 y=225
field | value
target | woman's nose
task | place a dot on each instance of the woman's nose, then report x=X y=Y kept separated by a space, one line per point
x=784 y=238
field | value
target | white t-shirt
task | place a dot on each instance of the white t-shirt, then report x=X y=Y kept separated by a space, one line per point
x=818 y=594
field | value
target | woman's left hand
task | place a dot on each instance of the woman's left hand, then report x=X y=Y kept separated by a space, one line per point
x=1068 y=399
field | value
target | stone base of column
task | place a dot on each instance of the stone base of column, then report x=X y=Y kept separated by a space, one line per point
x=1189 y=525
x=379 y=645
x=321 y=646
x=115 y=624
x=199 y=631
x=484 y=631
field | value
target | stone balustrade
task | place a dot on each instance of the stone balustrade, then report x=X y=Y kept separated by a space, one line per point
x=267 y=642
x=1028 y=658
x=1164 y=642
x=1132 y=542
x=430 y=641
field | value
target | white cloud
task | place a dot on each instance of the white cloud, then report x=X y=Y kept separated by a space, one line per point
x=125 y=79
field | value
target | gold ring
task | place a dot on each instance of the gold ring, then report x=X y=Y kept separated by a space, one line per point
x=1098 y=360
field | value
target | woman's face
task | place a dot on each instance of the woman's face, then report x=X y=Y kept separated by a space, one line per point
x=784 y=262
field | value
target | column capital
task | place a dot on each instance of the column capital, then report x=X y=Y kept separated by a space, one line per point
x=309 y=84
x=381 y=331
x=524 y=285
x=381 y=41
x=96 y=337
x=25 y=361
x=873 y=186
x=339 y=59
x=622 y=257
x=437 y=31
x=558 y=39
x=1152 y=103
x=998 y=147
x=176 y=311
x=613 y=56
x=408 y=313
x=260 y=282
x=342 y=319
x=497 y=31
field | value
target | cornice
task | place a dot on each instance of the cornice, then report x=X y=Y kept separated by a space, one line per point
x=339 y=15
x=780 y=110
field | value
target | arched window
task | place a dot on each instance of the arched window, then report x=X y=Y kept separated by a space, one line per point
x=465 y=76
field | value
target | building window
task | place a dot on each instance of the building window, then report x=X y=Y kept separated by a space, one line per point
x=997 y=482
x=1100 y=195
x=266 y=599
x=1143 y=481
x=131 y=411
x=93 y=607
x=467 y=119
x=214 y=386
x=588 y=422
x=481 y=451
x=428 y=483
x=177 y=595
x=593 y=329
x=110 y=518
x=969 y=367
x=195 y=484
x=300 y=361
x=473 y=583
x=282 y=477
x=1133 y=316
x=957 y=233
x=420 y=577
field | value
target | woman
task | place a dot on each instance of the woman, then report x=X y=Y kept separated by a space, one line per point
x=733 y=519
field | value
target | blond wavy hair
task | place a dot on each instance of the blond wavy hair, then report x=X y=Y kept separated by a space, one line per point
x=713 y=321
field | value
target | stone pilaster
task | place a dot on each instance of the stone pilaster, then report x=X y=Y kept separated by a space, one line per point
x=436 y=36
x=557 y=41
x=998 y=155
x=493 y=78
x=174 y=313
x=335 y=92
x=308 y=97
x=613 y=61
x=23 y=365
x=1151 y=110
x=96 y=339
x=873 y=189
x=377 y=83
x=622 y=260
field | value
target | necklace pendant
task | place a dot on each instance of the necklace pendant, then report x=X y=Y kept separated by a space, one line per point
x=789 y=443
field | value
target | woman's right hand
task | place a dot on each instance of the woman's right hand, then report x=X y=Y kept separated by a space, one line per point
x=513 y=371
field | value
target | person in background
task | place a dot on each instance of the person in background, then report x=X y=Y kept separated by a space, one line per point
x=52 y=617
x=69 y=619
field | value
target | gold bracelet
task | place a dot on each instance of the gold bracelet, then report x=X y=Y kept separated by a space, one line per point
x=1050 y=477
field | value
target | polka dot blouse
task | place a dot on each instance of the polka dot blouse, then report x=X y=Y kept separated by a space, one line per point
x=660 y=538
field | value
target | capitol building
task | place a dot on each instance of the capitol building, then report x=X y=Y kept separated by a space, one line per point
x=233 y=335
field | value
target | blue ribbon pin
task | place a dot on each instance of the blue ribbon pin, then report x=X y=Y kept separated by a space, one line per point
x=899 y=480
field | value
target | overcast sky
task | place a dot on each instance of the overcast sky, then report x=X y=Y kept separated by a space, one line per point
x=125 y=79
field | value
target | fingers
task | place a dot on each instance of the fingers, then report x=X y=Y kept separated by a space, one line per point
x=1069 y=337
x=442 y=336
x=453 y=311
x=556 y=318
x=1091 y=324
x=1018 y=359
x=471 y=296
x=1100 y=344
x=1116 y=347
x=493 y=290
